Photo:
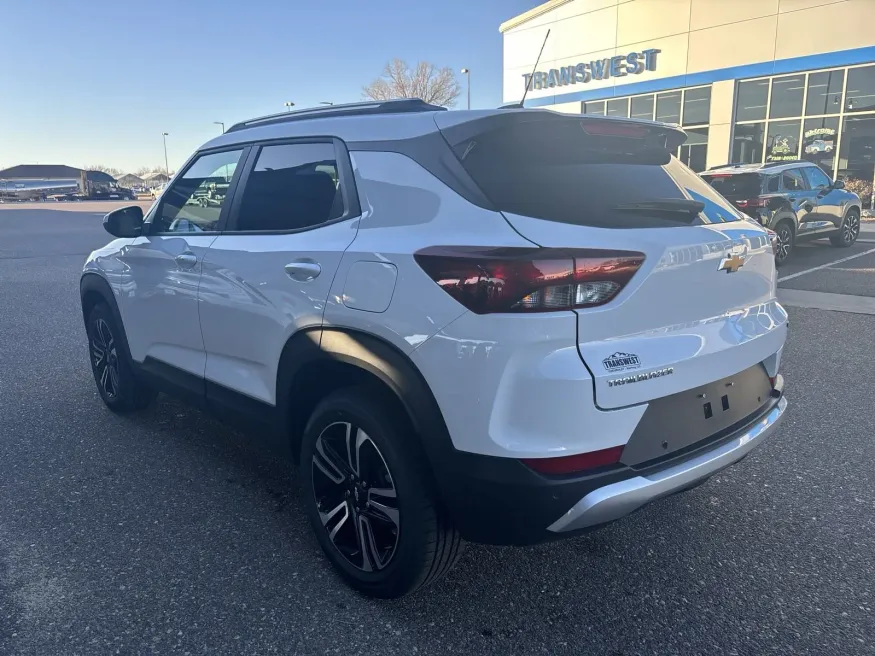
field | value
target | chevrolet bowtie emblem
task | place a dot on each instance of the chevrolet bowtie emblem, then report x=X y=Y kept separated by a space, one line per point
x=731 y=263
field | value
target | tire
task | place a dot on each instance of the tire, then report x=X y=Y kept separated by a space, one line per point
x=849 y=231
x=786 y=240
x=111 y=365
x=409 y=542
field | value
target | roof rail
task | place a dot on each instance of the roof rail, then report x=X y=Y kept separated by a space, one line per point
x=400 y=106
x=785 y=161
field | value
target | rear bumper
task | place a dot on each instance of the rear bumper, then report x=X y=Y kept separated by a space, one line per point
x=501 y=501
x=619 y=499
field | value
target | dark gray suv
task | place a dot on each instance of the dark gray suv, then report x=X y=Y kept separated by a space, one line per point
x=796 y=199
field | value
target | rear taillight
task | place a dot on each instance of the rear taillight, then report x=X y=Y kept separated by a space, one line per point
x=520 y=280
x=576 y=463
x=753 y=202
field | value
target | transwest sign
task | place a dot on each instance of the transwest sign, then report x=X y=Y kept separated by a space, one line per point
x=634 y=63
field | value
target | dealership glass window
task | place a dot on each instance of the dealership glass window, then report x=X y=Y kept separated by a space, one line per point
x=857 y=150
x=694 y=151
x=697 y=106
x=618 y=107
x=782 y=140
x=824 y=92
x=642 y=107
x=747 y=144
x=753 y=98
x=787 y=93
x=595 y=107
x=819 y=139
x=668 y=107
x=860 y=94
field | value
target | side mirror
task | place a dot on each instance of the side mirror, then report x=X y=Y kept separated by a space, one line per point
x=124 y=222
x=838 y=184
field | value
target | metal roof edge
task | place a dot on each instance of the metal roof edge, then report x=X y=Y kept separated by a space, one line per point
x=541 y=9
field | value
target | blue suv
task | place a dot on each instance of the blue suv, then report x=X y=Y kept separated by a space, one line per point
x=796 y=199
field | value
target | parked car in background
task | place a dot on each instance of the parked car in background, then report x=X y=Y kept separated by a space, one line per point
x=498 y=326
x=796 y=199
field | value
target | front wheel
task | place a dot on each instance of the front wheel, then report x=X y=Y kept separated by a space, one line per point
x=849 y=232
x=366 y=487
x=783 y=242
x=117 y=385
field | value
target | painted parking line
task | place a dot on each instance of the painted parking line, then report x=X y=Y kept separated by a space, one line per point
x=825 y=266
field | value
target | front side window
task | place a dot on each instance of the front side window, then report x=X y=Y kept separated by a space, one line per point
x=291 y=187
x=816 y=178
x=193 y=203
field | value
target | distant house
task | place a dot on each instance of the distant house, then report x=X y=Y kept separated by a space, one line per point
x=156 y=180
x=130 y=180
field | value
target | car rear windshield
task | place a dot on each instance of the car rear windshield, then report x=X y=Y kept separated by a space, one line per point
x=735 y=185
x=584 y=171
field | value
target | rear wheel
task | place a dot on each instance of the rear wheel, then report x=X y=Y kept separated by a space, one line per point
x=783 y=242
x=111 y=365
x=849 y=232
x=366 y=489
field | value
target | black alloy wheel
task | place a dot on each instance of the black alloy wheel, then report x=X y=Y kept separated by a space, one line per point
x=111 y=364
x=104 y=359
x=356 y=496
x=370 y=495
x=849 y=232
x=783 y=242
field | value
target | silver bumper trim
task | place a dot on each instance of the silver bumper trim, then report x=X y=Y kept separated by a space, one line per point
x=621 y=498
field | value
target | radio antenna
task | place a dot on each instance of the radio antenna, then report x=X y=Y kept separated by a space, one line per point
x=532 y=76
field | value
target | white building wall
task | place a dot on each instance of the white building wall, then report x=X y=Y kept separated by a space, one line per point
x=695 y=37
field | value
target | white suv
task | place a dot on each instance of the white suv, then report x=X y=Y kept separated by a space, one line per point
x=499 y=326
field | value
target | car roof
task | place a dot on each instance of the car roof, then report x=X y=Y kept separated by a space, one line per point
x=767 y=168
x=372 y=121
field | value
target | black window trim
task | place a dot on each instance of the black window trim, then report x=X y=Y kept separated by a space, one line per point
x=226 y=207
x=352 y=208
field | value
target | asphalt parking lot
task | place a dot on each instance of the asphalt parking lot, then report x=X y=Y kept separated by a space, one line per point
x=166 y=532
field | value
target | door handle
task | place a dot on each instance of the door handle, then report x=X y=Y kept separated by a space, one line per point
x=186 y=260
x=303 y=271
x=792 y=199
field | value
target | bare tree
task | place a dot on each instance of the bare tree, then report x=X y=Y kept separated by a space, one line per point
x=106 y=169
x=426 y=81
x=148 y=171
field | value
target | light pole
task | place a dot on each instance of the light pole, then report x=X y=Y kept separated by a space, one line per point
x=220 y=123
x=467 y=72
x=289 y=104
x=166 y=166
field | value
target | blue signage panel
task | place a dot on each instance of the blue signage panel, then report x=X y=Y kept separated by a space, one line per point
x=634 y=63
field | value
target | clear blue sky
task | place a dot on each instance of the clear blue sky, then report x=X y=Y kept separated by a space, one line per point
x=97 y=82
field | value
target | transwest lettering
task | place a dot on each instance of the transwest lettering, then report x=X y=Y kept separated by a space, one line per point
x=634 y=63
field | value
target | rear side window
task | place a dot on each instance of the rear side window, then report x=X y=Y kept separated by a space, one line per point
x=735 y=185
x=580 y=171
x=793 y=180
x=291 y=187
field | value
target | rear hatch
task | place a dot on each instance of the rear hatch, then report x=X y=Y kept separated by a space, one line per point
x=701 y=306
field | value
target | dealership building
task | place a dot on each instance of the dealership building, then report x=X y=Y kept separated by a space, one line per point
x=749 y=80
